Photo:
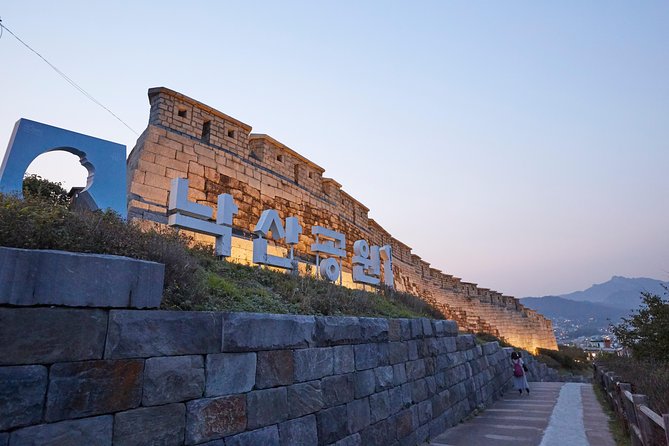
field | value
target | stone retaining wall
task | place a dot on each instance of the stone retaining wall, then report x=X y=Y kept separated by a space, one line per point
x=137 y=377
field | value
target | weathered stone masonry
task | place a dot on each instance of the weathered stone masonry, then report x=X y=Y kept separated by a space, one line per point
x=138 y=377
x=219 y=154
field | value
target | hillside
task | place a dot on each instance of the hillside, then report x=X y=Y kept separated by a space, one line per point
x=591 y=311
x=620 y=292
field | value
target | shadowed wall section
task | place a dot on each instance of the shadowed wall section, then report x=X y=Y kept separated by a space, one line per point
x=219 y=154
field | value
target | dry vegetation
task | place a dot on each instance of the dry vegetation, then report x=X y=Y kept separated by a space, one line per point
x=194 y=278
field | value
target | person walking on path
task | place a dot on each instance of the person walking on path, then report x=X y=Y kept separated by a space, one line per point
x=519 y=376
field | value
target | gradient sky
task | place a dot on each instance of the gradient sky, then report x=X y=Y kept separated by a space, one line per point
x=523 y=146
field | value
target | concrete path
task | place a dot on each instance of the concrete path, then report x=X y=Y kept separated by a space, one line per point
x=552 y=414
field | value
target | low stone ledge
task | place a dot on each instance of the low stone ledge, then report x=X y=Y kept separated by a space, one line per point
x=143 y=334
x=256 y=331
x=164 y=425
x=51 y=277
x=95 y=431
x=48 y=335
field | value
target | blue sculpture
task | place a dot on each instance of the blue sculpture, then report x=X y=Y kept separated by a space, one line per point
x=104 y=160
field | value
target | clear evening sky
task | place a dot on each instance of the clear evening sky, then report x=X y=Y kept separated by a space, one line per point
x=523 y=146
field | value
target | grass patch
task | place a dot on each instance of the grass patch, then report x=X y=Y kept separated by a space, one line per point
x=620 y=436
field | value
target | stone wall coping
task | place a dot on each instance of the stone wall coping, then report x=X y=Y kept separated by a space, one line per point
x=285 y=148
x=163 y=90
x=31 y=277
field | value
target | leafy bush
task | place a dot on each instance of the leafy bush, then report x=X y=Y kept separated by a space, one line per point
x=648 y=376
x=37 y=187
x=646 y=333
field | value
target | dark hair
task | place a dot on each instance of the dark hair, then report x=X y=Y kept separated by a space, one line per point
x=515 y=355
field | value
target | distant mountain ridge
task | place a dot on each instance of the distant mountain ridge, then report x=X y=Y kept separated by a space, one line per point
x=591 y=311
x=618 y=292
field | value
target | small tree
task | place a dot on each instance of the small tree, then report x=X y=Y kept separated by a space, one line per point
x=37 y=187
x=646 y=333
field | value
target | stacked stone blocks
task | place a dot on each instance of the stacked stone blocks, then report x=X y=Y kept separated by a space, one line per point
x=128 y=377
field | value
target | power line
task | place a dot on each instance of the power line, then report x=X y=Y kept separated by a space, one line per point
x=64 y=76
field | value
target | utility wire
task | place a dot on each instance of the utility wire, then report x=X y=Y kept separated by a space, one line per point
x=64 y=76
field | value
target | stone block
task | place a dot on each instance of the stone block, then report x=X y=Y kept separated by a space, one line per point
x=427 y=327
x=267 y=407
x=213 y=418
x=465 y=342
x=164 y=425
x=403 y=422
x=398 y=352
x=374 y=329
x=333 y=330
x=413 y=350
x=431 y=383
x=366 y=356
x=51 y=277
x=229 y=373
x=305 y=398
x=451 y=328
x=399 y=374
x=332 y=424
x=384 y=377
x=338 y=389
x=351 y=440
x=438 y=426
x=299 y=432
x=252 y=331
x=415 y=369
x=344 y=359
x=22 y=390
x=378 y=434
x=364 y=383
x=358 y=416
x=416 y=328
x=425 y=412
x=400 y=397
x=172 y=379
x=394 y=330
x=274 y=368
x=268 y=436
x=379 y=406
x=490 y=348
x=313 y=363
x=81 y=389
x=430 y=365
x=142 y=334
x=96 y=431
x=419 y=391
x=48 y=335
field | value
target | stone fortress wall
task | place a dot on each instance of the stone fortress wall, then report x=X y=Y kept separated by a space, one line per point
x=219 y=154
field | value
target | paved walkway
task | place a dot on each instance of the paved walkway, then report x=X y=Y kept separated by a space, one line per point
x=552 y=414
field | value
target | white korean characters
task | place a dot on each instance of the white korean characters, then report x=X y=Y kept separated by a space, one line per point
x=329 y=246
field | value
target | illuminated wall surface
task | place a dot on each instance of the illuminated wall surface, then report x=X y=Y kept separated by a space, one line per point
x=219 y=154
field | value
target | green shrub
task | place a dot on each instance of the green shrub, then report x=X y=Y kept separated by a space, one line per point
x=34 y=186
